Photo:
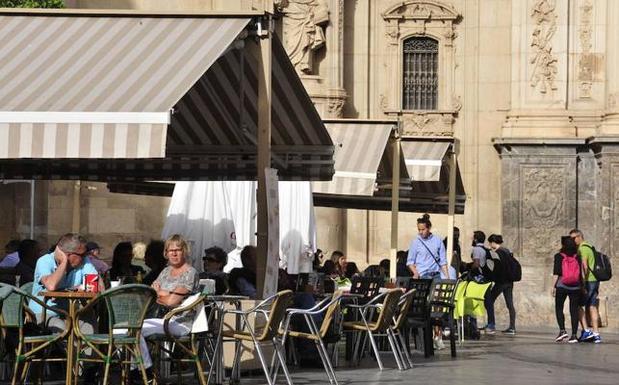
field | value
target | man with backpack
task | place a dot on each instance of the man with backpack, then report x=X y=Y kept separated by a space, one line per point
x=586 y=252
x=504 y=274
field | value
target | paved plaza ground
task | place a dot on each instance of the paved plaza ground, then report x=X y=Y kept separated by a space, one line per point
x=530 y=358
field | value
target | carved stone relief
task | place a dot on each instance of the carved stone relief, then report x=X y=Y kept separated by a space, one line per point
x=304 y=22
x=543 y=195
x=544 y=62
x=614 y=243
x=586 y=60
x=428 y=124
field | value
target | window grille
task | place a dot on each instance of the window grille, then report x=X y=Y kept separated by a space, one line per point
x=420 y=88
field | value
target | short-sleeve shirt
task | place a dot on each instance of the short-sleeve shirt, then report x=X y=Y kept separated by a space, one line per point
x=585 y=252
x=46 y=265
x=189 y=280
x=479 y=252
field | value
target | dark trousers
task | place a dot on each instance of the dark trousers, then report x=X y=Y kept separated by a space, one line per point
x=560 y=295
x=507 y=290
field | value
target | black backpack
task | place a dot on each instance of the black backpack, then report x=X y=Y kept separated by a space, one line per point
x=513 y=270
x=601 y=270
x=494 y=269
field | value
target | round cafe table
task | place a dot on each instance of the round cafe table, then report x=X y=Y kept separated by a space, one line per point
x=72 y=297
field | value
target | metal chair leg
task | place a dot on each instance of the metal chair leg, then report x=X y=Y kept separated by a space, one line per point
x=262 y=361
x=375 y=348
x=395 y=350
x=405 y=349
x=280 y=354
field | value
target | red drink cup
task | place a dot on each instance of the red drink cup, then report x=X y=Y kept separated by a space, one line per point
x=91 y=282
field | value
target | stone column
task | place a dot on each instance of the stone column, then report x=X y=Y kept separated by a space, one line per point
x=335 y=58
x=539 y=198
x=610 y=123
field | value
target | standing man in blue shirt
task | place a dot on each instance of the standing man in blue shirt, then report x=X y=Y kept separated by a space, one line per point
x=426 y=259
x=426 y=253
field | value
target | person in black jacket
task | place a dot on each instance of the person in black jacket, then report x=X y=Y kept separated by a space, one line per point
x=563 y=288
x=502 y=285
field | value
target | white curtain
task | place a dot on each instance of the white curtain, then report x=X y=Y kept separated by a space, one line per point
x=231 y=206
x=201 y=213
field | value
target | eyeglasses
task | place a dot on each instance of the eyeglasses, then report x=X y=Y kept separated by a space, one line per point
x=81 y=255
x=174 y=250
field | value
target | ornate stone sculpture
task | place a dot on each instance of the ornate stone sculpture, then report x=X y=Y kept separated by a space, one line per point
x=543 y=216
x=543 y=61
x=303 y=30
x=585 y=63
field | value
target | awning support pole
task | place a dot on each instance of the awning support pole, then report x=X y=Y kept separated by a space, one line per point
x=453 y=164
x=32 y=209
x=75 y=223
x=264 y=150
x=395 y=205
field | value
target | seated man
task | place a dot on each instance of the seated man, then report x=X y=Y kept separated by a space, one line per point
x=214 y=260
x=243 y=280
x=64 y=268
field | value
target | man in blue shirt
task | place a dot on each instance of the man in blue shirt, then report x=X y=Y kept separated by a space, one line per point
x=64 y=268
x=426 y=254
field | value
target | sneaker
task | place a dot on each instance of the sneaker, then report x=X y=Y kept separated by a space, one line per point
x=509 y=331
x=490 y=331
x=573 y=339
x=562 y=335
x=597 y=339
x=586 y=335
x=439 y=343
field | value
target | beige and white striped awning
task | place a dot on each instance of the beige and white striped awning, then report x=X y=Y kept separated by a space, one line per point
x=115 y=96
x=424 y=159
x=99 y=87
x=359 y=147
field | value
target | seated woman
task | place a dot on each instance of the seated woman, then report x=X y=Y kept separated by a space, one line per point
x=174 y=284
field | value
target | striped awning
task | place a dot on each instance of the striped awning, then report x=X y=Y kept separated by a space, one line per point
x=416 y=195
x=359 y=147
x=99 y=87
x=424 y=159
x=120 y=97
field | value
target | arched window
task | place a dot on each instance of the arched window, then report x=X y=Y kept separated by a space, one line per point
x=420 y=88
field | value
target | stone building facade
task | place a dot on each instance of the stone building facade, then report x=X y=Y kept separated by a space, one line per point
x=529 y=87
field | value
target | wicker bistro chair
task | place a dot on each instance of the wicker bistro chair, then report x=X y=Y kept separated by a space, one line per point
x=387 y=310
x=273 y=309
x=419 y=314
x=15 y=312
x=330 y=306
x=127 y=306
x=191 y=346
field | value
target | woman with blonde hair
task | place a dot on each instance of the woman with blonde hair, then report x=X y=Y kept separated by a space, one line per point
x=173 y=285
